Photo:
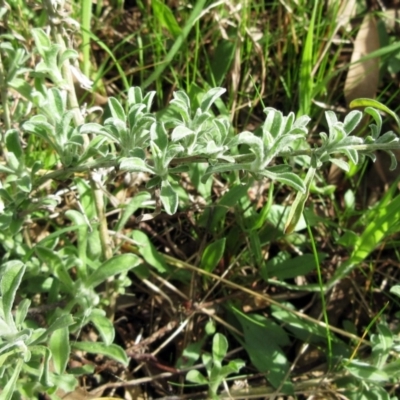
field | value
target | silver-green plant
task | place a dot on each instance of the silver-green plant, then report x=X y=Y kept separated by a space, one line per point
x=133 y=139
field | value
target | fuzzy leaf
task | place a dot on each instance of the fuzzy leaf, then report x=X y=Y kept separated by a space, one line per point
x=169 y=198
x=210 y=97
x=113 y=266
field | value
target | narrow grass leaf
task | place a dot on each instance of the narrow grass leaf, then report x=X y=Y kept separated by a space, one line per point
x=375 y=104
x=166 y=18
x=306 y=78
x=291 y=268
x=180 y=40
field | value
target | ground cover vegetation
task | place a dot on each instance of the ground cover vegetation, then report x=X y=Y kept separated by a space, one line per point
x=199 y=200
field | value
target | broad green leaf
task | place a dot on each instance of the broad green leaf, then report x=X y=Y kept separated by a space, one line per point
x=112 y=351
x=13 y=143
x=266 y=355
x=12 y=272
x=60 y=349
x=103 y=325
x=212 y=255
x=190 y=355
x=222 y=60
x=169 y=197
x=196 y=377
x=219 y=347
x=395 y=290
x=114 y=266
x=148 y=251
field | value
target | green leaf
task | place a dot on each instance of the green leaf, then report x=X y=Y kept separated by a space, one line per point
x=302 y=329
x=135 y=203
x=209 y=98
x=114 y=266
x=112 y=351
x=169 y=197
x=395 y=290
x=291 y=268
x=13 y=143
x=10 y=387
x=56 y=266
x=12 y=272
x=266 y=355
x=135 y=164
x=22 y=312
x=166 y=18
x=212 y=255
x=296 y=210
x=217 y=214
x=196 y=377
x=222 y=60
x=116 y=109
x=352 y=120
x=219 y=347
x=61 y=322
x=148 y=251
x=103 y=325
x=190 y=355
x=364 y=371
x=375 y=104
x=60 y=349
